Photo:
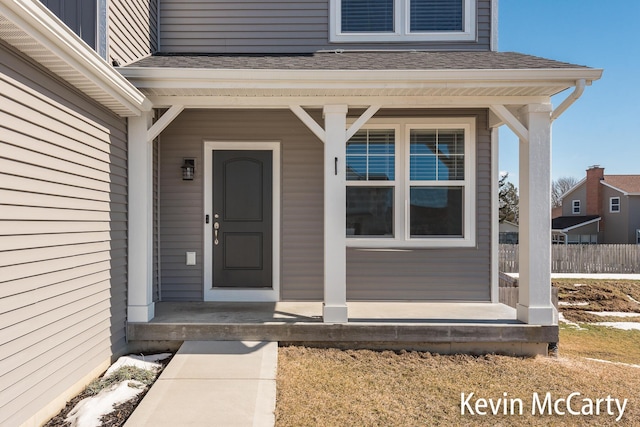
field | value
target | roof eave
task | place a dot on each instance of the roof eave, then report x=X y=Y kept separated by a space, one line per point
x=39 y=34
x=567 y=76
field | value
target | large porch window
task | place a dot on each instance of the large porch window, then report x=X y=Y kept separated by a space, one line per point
x=411 y=184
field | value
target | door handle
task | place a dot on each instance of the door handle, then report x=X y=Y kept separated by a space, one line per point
x=216 y=228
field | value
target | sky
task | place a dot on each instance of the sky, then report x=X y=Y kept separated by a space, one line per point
x=602 y=127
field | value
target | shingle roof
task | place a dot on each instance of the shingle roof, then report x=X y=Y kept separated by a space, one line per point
x=626 y=183
x=358 y=60
x=564 y=222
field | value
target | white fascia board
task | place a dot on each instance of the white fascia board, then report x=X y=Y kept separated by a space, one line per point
x=40 y=24
x=272 y=78
x=624 y=193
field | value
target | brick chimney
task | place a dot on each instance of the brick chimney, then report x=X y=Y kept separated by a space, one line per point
x=595 y=174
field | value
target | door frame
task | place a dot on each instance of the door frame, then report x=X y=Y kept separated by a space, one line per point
x=231 y=294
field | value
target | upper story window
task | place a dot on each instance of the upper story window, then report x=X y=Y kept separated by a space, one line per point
x=402 y=20
x=575 y=207
x=614 y=204
x=88 y=19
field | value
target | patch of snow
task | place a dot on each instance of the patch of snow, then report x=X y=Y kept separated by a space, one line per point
x=613 y=313
x=562 y=319
x=87 y=412
x=148 y=362
x=633 y=299
x=626 y=326
x=573 y=304
x=614 y=363
x=577 y=285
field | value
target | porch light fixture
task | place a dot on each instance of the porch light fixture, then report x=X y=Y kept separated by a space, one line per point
x=188 y=169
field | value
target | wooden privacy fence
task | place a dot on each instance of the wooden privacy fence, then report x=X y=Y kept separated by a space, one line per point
x=580 y=258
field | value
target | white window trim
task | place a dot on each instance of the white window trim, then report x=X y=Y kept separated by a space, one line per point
x=402 y=184
x=573 y=207
x=611 y=210
x=402 y=31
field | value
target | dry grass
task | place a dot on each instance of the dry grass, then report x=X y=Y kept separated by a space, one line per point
x=602 y=295
x=599 y=342
x=330 y=387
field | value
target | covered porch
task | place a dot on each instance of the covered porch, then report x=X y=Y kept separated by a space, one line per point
x=334 y=98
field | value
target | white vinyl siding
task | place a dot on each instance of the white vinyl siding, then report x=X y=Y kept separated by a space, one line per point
x=63 y=244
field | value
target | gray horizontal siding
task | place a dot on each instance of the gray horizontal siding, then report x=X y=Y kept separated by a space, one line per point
x=181 y=204
x=437 y=274
x=251 y=26
x=133 y=29
x=63 y=207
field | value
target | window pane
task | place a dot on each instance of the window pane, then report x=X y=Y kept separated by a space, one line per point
x=369 y=211
x=381 y=168
x=436 y=155
x=371 y=156
x=451 y=141
x=381 y=141
x=423 y=168
x=367 y=16
x=436 y=15
x=451 y=168
x=356 y=168
x=436 y=211
x=423 y=141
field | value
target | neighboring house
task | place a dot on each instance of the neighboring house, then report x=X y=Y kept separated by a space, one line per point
x=600 y=209
x=255 y=151
x=508 y=233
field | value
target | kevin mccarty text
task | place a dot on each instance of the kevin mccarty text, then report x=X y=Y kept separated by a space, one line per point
x=574 y=404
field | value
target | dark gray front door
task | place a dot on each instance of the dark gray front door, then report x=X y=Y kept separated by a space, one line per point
x=242 y=218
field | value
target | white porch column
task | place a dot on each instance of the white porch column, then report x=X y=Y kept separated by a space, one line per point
x=140 y=227
x=534 y=302
x=335 y=252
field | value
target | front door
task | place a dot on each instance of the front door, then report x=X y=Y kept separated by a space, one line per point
x=242 y=219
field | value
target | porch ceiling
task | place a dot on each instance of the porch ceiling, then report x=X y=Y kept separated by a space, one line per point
x=403 y=78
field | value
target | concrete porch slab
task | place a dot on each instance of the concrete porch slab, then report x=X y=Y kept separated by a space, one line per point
x=230 y=383
x=441 y=327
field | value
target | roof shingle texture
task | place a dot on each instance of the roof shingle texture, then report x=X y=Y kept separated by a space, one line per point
x=563 y=222
x=356 y=60
x=626 y=183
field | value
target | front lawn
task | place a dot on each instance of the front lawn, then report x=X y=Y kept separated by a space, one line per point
x=330 y=387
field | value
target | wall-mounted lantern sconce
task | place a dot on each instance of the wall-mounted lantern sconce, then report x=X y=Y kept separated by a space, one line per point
x=188 y=169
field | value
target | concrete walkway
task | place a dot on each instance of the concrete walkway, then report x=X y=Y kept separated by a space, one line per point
x=213 y=383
